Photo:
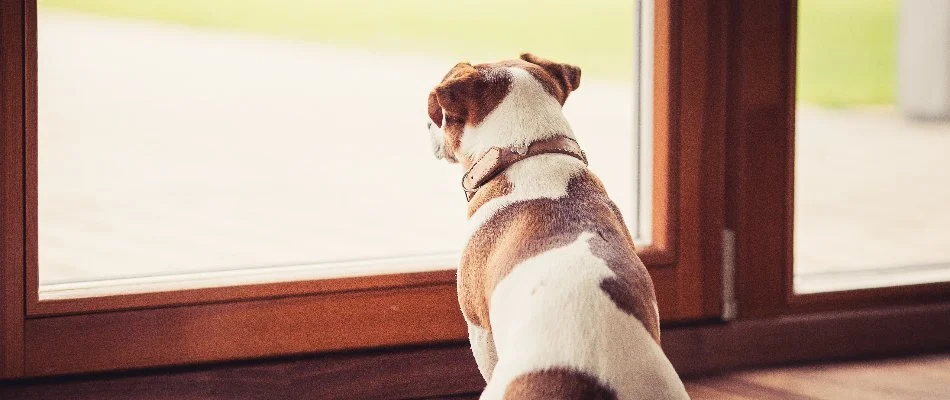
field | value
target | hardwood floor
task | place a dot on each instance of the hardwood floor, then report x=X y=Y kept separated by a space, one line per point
x=435 y=373
x=923 y=377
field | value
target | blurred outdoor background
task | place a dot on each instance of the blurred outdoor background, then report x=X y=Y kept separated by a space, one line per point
x=183 y=136
x=194 y=135
x=872 y=156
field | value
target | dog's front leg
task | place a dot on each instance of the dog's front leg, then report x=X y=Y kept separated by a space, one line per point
x=483 y=347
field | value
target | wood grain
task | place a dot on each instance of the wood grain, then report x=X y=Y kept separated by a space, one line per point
x=190 y=335
x=688 y=153
x=437 y=372
x=924 y=377
x=30 y=152
x=701 y=126
x=664 y=166
x=735 y=389
x=242 y=330
x=11 y=188
x=761 y=122
x=813 y=337
x=448 y=373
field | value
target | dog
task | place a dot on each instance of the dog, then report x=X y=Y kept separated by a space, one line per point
x=558 y=305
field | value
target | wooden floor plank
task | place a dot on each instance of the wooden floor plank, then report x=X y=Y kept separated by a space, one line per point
x=923 y=377
x=431 y=372
x=449 y=373
x=736 y=389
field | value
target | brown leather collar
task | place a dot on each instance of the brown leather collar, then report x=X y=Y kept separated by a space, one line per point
x=497 y=159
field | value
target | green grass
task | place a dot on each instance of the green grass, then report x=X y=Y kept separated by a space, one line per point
x=847 y=52
x=846 y=48
x=597 y=35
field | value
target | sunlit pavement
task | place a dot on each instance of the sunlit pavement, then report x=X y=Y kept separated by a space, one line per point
x=166 y=149
x=872 y=191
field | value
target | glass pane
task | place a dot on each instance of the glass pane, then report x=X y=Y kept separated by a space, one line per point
x=270 y=140
x=872 y=187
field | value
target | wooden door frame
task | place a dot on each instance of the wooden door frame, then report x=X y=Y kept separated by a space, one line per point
x=12 y=190
x=760 y=177
x=282 y=319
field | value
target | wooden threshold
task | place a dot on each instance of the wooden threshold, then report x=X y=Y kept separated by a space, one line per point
x=443 y=371
x=448 y=370
x=814 y=337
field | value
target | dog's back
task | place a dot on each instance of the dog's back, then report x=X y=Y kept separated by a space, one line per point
x=571 y=307
x=557 y=302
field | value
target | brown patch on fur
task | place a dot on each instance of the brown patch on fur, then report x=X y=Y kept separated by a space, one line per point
x=527 y=228
x=557 y=78
x=466 y=95
x=624 y=290
x=558 y=383
x=497 y=187
x=550 y=83
x=435 y=110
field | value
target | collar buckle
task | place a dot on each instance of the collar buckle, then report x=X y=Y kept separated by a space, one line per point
x=520 y=149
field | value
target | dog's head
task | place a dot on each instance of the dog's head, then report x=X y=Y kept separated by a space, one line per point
x=510 y=95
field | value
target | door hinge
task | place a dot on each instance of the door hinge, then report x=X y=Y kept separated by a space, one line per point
x=729 y=306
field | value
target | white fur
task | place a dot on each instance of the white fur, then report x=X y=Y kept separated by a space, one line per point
x=550 y=311
x=538 y=177
x=437 y=140
x=483 y=347
x=543 y=176
x=563 y=319
x=529 y=113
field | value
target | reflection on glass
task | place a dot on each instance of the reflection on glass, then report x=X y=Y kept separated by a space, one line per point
x=187 y=137
x=872 y=205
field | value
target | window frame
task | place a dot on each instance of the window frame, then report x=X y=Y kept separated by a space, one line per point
x=12 y=202
x=760 y=178
x=275 y=319
x=751 y=40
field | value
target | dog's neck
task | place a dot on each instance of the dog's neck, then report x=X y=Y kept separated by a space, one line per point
x=496 y=160
x=528 y=114
x=541 y=176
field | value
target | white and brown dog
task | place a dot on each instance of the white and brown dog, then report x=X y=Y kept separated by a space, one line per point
x=557 y=302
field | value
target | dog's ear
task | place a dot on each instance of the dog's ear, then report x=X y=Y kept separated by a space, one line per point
x=452 y=93
x=455 y=91
x=567 y=76
x=435 y=110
